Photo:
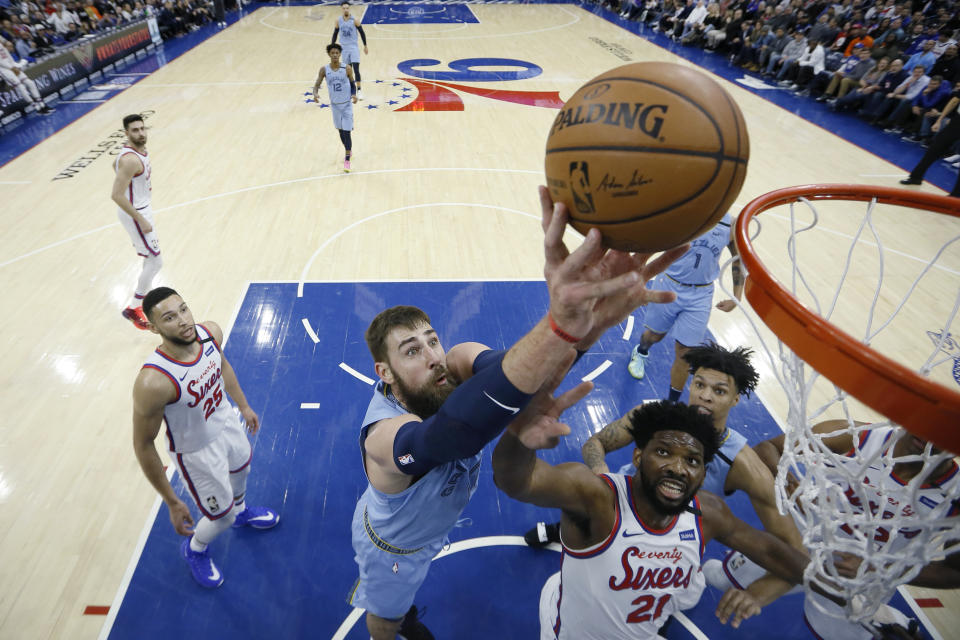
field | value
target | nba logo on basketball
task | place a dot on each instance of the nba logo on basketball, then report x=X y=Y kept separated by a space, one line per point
x=580 y=186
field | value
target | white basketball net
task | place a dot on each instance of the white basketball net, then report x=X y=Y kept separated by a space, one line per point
x=893 y=539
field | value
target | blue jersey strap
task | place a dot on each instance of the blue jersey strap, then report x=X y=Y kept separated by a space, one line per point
x=474 y=414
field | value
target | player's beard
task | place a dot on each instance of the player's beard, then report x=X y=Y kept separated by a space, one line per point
x=425 y=401
x=650 y=491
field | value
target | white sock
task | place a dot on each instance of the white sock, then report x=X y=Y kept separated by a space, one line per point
x=151 y=267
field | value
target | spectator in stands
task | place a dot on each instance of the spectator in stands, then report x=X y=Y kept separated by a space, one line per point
x=169 y=23
x=890 y=42
x=749 y=55
x=917 y=38
x=947 y=65
x=11 y=71
x=693 y=19
x=781 y=19
x=924 y=135
x=857 y=36
x=44 y=42
x=793 y=50
x=923 y=58
x=869 y=83
x=731 y=29
x=848 y=76
x=697 y=35
x=880 y=106
x=772 y=46
x=821 y=30
x=62 y=18
x=800 y=72
x=907 y=116
x=735 y=44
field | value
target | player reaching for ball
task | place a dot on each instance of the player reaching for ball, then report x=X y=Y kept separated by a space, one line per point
x=691 y=277
x=343 y=95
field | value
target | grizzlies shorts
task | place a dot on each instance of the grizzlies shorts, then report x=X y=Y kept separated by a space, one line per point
x=342 y=115
x=389 y=576
x=686 y=316
x=351 y=55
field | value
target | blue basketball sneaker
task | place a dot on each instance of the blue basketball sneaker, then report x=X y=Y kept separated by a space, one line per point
x=638 y=362
x=257 y=518
x=201 y=566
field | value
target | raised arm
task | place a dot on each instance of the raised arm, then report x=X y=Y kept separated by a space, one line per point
x=572 y=487
x=770 y=450
x=736 y=272
x=766 y=550
x=612 y=437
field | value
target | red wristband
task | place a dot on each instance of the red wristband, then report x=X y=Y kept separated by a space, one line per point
x=560 y=332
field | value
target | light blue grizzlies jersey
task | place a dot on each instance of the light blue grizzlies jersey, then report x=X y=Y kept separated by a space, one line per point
x=719 y=467
x=427 y=510
x=701 y=264
x=348 y=32
x=338 y=85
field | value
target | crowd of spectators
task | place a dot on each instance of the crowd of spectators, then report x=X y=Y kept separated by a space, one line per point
x=892 y=63
x=39 y=28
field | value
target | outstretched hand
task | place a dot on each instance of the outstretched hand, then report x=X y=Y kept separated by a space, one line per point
x=736 y=606
x=593 y=288
x=538 y=426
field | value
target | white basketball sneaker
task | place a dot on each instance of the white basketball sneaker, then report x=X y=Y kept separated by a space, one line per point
x=715 y=575
x=638 y=362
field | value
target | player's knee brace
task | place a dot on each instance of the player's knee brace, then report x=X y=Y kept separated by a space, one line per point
x=474 y=414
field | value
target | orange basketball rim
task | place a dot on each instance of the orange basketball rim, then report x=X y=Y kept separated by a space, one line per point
x=924 y=407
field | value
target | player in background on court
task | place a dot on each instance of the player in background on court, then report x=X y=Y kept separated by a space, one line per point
x=132 y=191
x=691 y=277
x=343 y=95
x=943 y=483
x=348 y=28
x=432 y=413
x=632 y=545
x=187 y=384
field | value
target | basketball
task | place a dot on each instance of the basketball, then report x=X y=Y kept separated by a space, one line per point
x=652 y=154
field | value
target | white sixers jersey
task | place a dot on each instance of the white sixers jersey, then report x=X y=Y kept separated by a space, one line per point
x=201 y=410
x=138 y=192
x=873 y=443
x=629 y=584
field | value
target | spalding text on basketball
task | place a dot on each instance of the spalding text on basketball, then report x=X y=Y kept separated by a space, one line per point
x=647 y=118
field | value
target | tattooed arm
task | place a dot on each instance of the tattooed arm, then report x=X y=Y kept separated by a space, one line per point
x=615 y=435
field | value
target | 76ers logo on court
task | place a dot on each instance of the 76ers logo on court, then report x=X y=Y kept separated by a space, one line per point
x=437 y=90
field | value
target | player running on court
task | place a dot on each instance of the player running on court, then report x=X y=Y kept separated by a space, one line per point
x=348 y=28
x=343 y=96
x=691 y=277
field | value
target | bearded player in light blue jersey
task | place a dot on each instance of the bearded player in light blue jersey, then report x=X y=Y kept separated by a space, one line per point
x=348 y=29
x=433 y=411
x=691 y=277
